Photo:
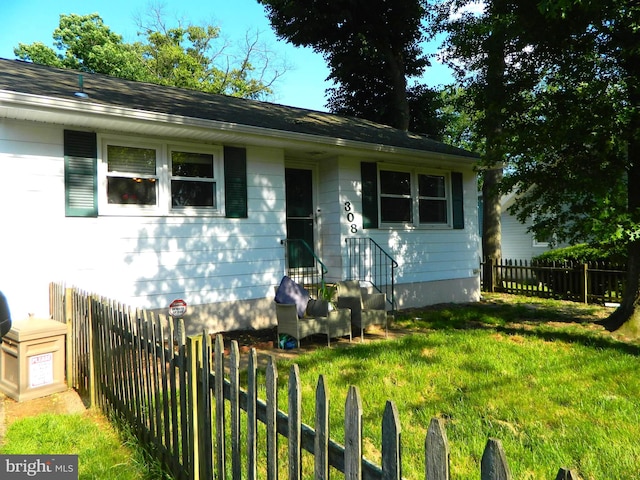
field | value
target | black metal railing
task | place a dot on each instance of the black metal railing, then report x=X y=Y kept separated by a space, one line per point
x=369 y=262
x=303 y=265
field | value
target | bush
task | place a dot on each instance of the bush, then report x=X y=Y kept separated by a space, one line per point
x=584 y=253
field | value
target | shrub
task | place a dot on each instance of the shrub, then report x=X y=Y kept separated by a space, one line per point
x=585 y=253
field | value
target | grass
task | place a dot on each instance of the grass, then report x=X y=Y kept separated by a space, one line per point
x=557 y=390
x=104 y=453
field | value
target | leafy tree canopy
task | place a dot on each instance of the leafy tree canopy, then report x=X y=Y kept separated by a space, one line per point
x=569 y=118
x=576 y=136
x=183 y=56
x=564 y=109
x=372 y=49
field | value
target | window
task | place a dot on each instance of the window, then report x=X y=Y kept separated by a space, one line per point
x=192 y=179
x=160 y=179
x=395 y=197
x=139 y=178
x=409 y=195
x=131 y=175
x=432 y=199
x=388 y=196
x=542 y=240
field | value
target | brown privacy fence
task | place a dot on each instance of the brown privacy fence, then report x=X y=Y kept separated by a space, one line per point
x=592 y=282
x=182 y=398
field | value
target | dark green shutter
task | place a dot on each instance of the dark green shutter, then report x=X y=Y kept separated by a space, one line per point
x=369 y=174
x=458 y=200
x=235 y=182
x=80 y=174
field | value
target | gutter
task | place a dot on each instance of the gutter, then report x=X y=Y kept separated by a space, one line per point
x=47 y=106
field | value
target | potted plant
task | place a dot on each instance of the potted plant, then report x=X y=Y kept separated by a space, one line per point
x=339 y=319
x=327 y=293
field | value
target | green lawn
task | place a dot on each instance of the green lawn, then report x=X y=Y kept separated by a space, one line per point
x=557 y=390
x=103 y=453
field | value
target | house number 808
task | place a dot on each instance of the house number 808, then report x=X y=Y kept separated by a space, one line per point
x=350 y=217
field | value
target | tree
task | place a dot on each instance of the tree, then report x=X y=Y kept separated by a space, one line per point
x=578 y=165
x=372 y=48
x=85 y=43
x=482 y=46
x=191 y=56
x=460 y=120
x=182 y=56
x=570 y=120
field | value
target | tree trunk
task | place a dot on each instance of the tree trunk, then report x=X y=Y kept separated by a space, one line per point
x=491 y=212
x=626 y=318
x=399 y=102
x=493 y=123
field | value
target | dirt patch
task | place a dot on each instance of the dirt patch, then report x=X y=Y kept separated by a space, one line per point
x=67 y=402
x=259 y=339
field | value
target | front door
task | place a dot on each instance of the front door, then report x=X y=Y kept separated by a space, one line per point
x=300 y=217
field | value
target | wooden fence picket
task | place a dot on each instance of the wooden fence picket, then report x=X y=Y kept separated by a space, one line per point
x=185 y=416
x=173 y=391
x=192 y=405
x=294 y=426
x=391 y=449
x=437 y=454
x=218 y=392
x=493 y=465
x=149 y=404
x=205 y=428
x=141 y=400
x=252 y=419
x=272 y=419
x=321 y=441
x=234 y=378
x=565 y=474
x=154 y=390
x=353 y=435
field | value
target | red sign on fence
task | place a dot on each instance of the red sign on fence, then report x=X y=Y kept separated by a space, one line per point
x=178 y=308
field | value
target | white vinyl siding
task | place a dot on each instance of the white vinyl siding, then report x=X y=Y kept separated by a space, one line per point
x=140 y=260
x=423 y=255
x=517 y=243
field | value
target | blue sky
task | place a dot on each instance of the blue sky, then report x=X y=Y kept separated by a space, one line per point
x=303 y=85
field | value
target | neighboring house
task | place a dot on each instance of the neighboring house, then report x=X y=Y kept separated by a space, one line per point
x=517 y=242
x=145 y=194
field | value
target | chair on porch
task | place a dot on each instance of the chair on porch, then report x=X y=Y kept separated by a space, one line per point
x=366 y=308
x=299 y=316
x=290 y=324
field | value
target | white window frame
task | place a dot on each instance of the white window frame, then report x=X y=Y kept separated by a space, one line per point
x=163 y=206
x=447 y=198
x=538 y=244
x=415 y=197
x=412 y=193
x=217 y=180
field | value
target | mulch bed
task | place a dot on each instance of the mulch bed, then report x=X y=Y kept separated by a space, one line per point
x=260 y=339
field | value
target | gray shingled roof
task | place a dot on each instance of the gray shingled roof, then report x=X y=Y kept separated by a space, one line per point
x=29 y=78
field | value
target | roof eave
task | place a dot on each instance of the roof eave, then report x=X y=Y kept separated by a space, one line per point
x=84 y=113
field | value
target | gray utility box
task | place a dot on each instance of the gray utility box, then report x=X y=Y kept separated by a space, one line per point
x=32 y=359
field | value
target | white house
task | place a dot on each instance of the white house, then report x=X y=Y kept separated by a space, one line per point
x=145 y=194
x=518 y=243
